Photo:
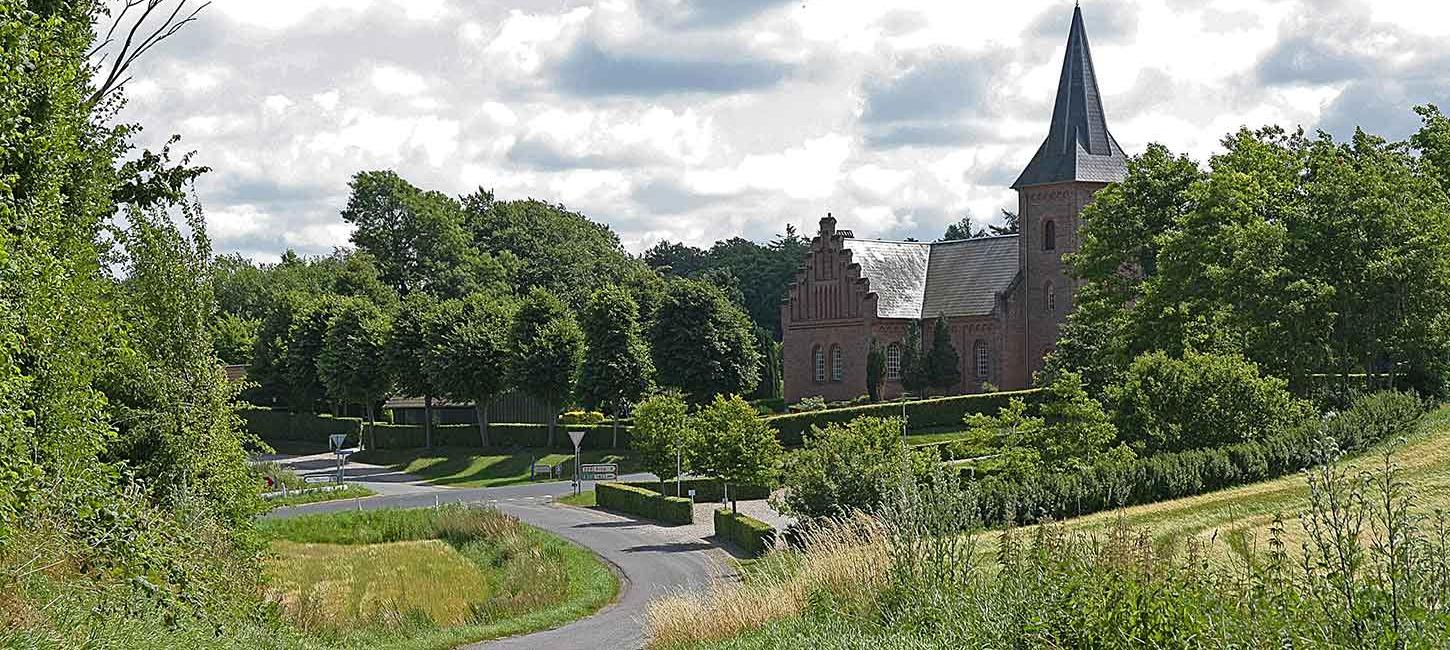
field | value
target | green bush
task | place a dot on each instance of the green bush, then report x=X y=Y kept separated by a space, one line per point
x=920 y=414
x=410 y=436
x=845 y=467
x=580 y=416
x=707 y=490
x=1200 y=400
x=753 y=536
x=280 y=425
x=1171 y=475
x=809 y=404
x=644 y=503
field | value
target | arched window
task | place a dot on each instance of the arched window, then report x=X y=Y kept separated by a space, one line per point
x=893 y=362
x=1049 y=235
x=982 y=359
x=1049 y=297
x=819 y=356
x=838 y=369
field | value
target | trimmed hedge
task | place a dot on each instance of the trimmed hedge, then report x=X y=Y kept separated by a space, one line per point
x=407 y=436
x=707 y=490
x=753 y=536
x=920 y=414
x=644 y=503
x=1160 y=477
x=277 y=424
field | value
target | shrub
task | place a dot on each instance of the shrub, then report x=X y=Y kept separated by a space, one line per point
x=662 y=434
x=753 y=536
x=920 y=414
x=580 y=416
x=644 y=503
x=506 y=435
x=1072 y=431
x=808 y=404
x=1374 y=417
x=732 y=444
x=847 y=467
x=1200 y=400
x=707 y=490
x=278 y=424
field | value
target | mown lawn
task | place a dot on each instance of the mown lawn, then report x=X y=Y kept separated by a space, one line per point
x=473 y=467
x=427 y=578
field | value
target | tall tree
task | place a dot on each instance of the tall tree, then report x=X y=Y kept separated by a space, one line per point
x=353 y=363
x=415 y=333
x=875 y=369
x=662 y=435
x=734 y=445
x=676 y=259
x=305 y=339
x=1433 y=142
x=617 y=370
x=1011 y=224
x=914 y=377
x=470 y=361
x=962 y=229
x=547 y=348
x=702 y=344
x=942 y=365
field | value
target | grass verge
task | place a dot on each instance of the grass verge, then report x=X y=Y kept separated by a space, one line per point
x=428 y=578
x=585 y=499
x=473 y=467
x=347 y=492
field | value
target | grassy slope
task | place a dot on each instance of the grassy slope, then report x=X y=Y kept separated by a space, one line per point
x=473 y=467
x=344 y=559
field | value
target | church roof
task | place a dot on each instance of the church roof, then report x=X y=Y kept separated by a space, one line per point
x=921 y=280
x=1078 y=145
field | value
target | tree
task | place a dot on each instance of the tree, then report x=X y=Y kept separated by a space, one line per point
x=702 y=344
x=676 y=259
x=846 y=467
x=662 y=436
x=1011 y=224
x=617 y=369
x=962 y=229
x=1071 y=432
x=353 y=363
x=235 y=338
x=875 y=369
x=416 y=332
x=942 y=365
x=470 y=361
x=1433 y=142
x=305 y=339
x=547 y=348
x=734 y=444
x=914 y=376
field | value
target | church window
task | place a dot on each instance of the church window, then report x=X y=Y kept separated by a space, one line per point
x=893 y=362
x=1049 y=297
x=820 y=358
x=1049 y=235
x=838 y=370
x=979 y=355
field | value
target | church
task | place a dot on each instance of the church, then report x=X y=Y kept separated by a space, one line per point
x=1004 y=298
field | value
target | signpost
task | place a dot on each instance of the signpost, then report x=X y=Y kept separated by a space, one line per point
x=316 y=478
x=577 y=437
x=598 y=472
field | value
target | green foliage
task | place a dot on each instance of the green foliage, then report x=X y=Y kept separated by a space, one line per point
x=234 y=338
x=662 y=434
x=707 y=490
x=579 y=416
x=920 y=414
x=353 y=362
x=914 y=377
x=942 y=365
x=1433 y=143
x=1200 y=400
x=1071 y=432
x=546 y=349
x=278 y=425
x=303 y=348
x=753 y=536
x=733 y=444
x=702 y=344
x=759 y=273
x=875 y=369
x=808 y=404
x=962 y=229
x=645 y=503
x=848 y=467
x=772 y=382
x=469 y=360
x=617 y=370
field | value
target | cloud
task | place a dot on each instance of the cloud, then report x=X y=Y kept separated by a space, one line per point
x=706 y=14
x=931 y=100
x=589 y=70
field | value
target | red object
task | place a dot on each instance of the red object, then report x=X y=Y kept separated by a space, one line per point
x=270 y=482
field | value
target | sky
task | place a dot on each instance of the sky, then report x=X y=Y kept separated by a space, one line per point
x=700 y=120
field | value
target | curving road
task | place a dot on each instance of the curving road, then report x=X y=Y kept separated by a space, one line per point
x=652 y=560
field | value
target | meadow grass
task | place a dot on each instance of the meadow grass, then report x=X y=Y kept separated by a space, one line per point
x=428 y=578
x=473 y=467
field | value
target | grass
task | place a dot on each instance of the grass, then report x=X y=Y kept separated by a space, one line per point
x=428 y=578
x=347 y=492
x=585 y=499
x=473 y=467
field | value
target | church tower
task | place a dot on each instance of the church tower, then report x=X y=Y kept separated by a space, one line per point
x=1078 y=158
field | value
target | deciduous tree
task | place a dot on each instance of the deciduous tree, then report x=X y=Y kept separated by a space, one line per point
x=546 y=350
x=617 y=369
x=353 y=363
x=470 y=360
x=734 y=445
x=702 y=344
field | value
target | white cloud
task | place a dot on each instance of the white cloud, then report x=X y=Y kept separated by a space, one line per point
x=393 y=80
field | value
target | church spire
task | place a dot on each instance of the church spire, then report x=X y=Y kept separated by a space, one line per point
x=1078 y=145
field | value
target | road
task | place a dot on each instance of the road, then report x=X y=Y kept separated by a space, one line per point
x=653 y=560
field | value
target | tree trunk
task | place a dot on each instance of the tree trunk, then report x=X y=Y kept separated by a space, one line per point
x=482 y=411
x=428 y=421
x=614 y=444
x=553 y=418
x=369 y=408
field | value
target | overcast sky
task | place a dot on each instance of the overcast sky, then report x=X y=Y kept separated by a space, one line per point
x=698 y=120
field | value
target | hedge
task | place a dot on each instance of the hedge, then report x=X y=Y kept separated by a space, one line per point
x=1373 y=419
x=753 y=536
x=707 y=490
x=406 y=436
x=276 y=424
x=644 y=503
x=920 y=414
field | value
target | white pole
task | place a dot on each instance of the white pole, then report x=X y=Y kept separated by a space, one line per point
x=677 y=467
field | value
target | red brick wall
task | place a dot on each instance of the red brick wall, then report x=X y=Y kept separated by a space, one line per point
x=1062 y=205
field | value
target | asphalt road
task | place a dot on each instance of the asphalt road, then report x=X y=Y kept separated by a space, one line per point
x=652 y=559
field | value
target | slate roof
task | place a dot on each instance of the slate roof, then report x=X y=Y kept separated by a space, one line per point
x=921 y=280
x=1079 y=146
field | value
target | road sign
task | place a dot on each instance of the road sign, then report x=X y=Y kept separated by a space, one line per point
x=577 y=437
x=317 y=478
x=599 y=472
x=336 y=440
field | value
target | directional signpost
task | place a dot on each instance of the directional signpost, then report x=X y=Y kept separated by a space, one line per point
x=577 y=437
x=598 y=472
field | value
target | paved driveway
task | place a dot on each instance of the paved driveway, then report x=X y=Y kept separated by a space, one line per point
x=653 y=560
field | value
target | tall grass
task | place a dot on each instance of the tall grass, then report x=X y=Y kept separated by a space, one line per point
x=1372 y=571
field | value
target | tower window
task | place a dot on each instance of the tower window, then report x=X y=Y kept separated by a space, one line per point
x=893 y=362
x=838 y=371
x=980 y=356
x=1049 y=235
x=820 y=358
x=1049 y=297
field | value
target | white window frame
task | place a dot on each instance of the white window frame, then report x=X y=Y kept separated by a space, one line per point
x=893 y=362
x=819 y=357
x=983 y=359
x=838 y=370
